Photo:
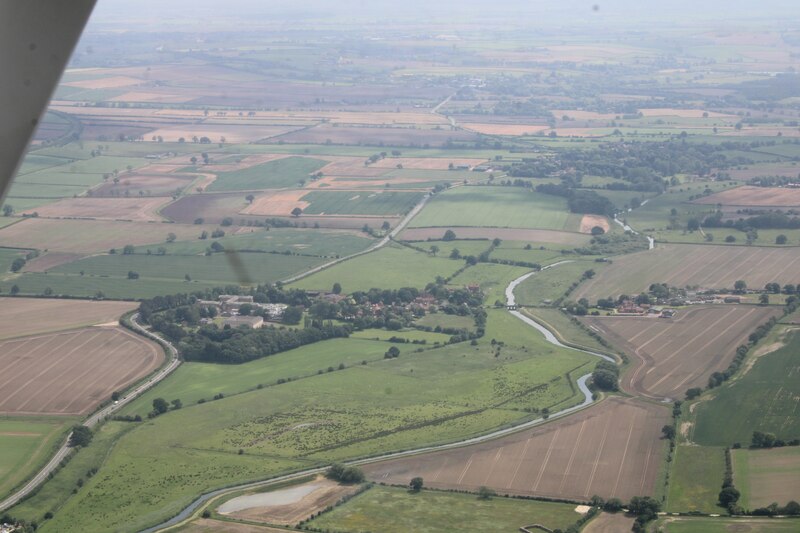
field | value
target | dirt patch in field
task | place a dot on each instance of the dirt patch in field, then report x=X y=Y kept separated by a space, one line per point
x=288 y=506
x=45 y=262
x=590 y=221
x=510 y=234
x=675 y=354
x=755 y=197
x=610 y=523
x=29 y=316
x=111 y=82
x=72 y=372
x=612 y=449
x=506 y=129
x=277 y=203
x=130 y=209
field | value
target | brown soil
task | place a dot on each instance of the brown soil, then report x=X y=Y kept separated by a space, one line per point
x=70 y=373
x=612 y=449
x=45 y=262
x=29 y=316
x=207 y=525
x=755 y=196
x=276 y=203
x=590 y=221
x=132 y=209
x=609 y=523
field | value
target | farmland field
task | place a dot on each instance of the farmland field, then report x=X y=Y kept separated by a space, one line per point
x=767 y=476
x=27 y=316
x=276 y=174
x=496 y=207
x=763 y=399
x=727 y=525
x=388 y=268
x=561 y=459
x=396 y=510
x=359 y=202
x=695 y=479
x=755 y=197
x=553 y=283
x=680 y=265
x=361 y=410
x=679 y=353
x=70 y=373
x=25 y=443
x=132 y=209
x=511 y=234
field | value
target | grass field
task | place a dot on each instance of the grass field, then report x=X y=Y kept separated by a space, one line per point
x=7 y=256
x=446 y=321
x=280 y=173
x=695 y=479
x=727 y=525
x=559 y=322
x=553 y=283
x=433 y=396
x=111 y=287
x=26 y=443
x=763 y=399
x=497 y=207
x=397 y=510
x=493 y=279
x=390 y=267
x=360 y=203
x=767 y=476
x=515 y=251
x=216 y=268
x=296 y=240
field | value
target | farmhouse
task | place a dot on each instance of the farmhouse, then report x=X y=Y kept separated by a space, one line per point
x=253 y=322
x=629 y=307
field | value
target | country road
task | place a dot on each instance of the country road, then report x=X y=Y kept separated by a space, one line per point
x=97 y=417
x=588 y=399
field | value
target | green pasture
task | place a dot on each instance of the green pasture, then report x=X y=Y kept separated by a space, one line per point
x=559 y=322
x=391 y=509
x=360 y=203
x=420 y=398
x=686 y=524
x=763 y=399
x=280 y=173
x=695 y=479
x=492 y=279
x=552 y=283
x=391 y=267
x=7 y=256
x=26 y=443
x=443 y=320
x=785 y=468
x=511 y=207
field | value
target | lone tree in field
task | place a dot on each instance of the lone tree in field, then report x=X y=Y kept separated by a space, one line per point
x=449 y=235
x=296 y=212
x=385 y=226
x=781 y=239
x=434 y=250
x=337 y=288
x=133 y=275
x=597 y=230
x=81 y=436
x=160 y=406
x=416 y=484
x=740 y=286
x=249 y=198
x=7 y=210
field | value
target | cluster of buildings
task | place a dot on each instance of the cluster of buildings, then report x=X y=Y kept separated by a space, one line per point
x=229 y=308
x=629 y=307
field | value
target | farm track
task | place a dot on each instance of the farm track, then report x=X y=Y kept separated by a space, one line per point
x=97 y=417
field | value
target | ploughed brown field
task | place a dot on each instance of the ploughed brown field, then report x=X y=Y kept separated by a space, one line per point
x=754 y=196
x=612 y=449
x=29 y=316
x=70 y=373
x=675 y=354
x=134 y=209
x=679 y=265
x=146 y=184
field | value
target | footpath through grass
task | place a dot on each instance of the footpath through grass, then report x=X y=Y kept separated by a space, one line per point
x=389 y=509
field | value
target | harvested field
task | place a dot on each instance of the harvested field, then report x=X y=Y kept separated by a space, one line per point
x=241 y=163
x=426 y=163
x=707 y=266
x=277 y=203
x=131 y=209
x=352 y=167
x=791 y=170
x=31 y=316
x=683 y=113
x=70 y=373
x=679 y=353
x=87 y=236
x=766 y=476
x=233 y=133
x=507 y=129
x=590 y=221
x=612 y=449
x=144 y=184
x=510 y=234
x=754 y=196
x=287 y=506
